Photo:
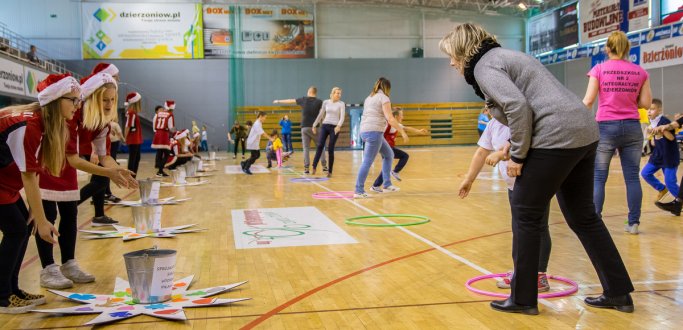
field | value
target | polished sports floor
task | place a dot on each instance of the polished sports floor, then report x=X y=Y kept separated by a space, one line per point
x=392 y=277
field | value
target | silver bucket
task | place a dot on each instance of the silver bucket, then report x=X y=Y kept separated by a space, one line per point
x=191 y=168
x=149 y=191
x=178 y=175
x=150 y=273
x=212 y=155
x=147 y=218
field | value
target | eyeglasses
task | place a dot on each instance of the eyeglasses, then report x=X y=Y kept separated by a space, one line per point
x=76 y=100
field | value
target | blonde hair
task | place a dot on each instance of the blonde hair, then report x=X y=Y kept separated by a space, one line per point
x=463 y=42
x=136 y=107
x=93 y=109
x=618 y=44
x=333 y=90
x=382 y=84
x=396 y=111
x=52 y=153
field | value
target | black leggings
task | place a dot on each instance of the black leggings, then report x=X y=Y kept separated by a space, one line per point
x=325 y=131
x=546 y=242
x=255 y=154
x=68 y=213
x=133 y=158
x=95 y=189
x=402 y=157
x=161 y=159
x=179 y=161
x=15 y=235
x=114 y=150
x=237 y=142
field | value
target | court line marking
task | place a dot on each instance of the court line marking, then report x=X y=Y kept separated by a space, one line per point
x=637 y=282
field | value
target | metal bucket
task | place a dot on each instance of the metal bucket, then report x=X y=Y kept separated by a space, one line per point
x=200 y=166
x=212 y=155
x=178 y=175
x=150 y=273
x=191 y=168
x=149 y=191
x=147 y=218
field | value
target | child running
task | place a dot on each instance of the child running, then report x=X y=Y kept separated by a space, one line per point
x=274 y=149
x=254 y=140
x=495 y=137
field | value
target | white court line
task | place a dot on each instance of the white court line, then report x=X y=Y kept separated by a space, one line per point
x=638 y=282
x=432 y=244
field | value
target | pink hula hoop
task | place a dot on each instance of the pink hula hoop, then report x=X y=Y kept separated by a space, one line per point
x=333 y=195
x=573 y=289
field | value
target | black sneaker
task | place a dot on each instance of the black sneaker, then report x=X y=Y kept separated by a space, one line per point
x=674 y=206
x=242 y=164
x=325 y=169
x=112 y=199
x=246 y=170
x=306 y=171
x=103 y=221
x=161 y=175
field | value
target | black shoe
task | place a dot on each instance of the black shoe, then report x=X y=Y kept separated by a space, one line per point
x=112 y=199
x=242 y=164
x=161 y=174
x=306 y=171
x=674 y=207
x=622 y=303
x=269 y=166
x=103 y=221
x=246 y=170
x=324 y=168
x=510 y=307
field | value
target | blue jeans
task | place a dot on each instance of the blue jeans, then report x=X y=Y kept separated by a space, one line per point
x=648 y=174
x=625 y=136
x=374 y=143
x=287 y=142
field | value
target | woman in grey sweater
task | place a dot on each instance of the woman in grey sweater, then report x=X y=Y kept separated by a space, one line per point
x=331 y=116
x=554 y=139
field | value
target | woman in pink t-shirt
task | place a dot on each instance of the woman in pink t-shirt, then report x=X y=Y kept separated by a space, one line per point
x=622 y=87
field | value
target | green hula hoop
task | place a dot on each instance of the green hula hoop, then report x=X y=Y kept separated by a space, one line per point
x=353 y=220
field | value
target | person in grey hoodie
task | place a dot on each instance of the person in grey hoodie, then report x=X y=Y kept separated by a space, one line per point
x=552 y=151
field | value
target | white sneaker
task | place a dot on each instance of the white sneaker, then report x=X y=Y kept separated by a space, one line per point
x=361 y=196
x=52 y=278
x=632 y=229
x=71 y=271
x=377 y=189
x=395 y=175
x=391 y=189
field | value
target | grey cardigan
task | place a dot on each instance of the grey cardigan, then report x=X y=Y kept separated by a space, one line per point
x=540 y=111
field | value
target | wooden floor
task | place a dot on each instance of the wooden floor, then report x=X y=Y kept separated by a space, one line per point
x=398 y=278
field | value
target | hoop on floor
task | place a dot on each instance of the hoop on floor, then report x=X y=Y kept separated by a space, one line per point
x=313 y=179
x=422 y=220
x=333 y=195
x=563 y=293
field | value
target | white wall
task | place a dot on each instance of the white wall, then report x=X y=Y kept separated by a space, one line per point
x=342 y=31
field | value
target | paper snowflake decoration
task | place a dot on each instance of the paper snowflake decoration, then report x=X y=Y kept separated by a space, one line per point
x=129 y=234
x=120 y=305
x=162 y=201
x=187 y=184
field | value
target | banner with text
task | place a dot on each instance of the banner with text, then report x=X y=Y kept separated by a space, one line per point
x=142 y=30
x=599 y=18
x=31 y=79
x=11 y=77
x=661 y=53
x=259 y=31
x=553 y=30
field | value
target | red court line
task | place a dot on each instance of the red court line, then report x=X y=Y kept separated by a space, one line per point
x=306 y=294
x=35 y=257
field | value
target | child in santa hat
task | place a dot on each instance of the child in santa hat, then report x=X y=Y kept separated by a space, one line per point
x=133 y=130
x=164 y=124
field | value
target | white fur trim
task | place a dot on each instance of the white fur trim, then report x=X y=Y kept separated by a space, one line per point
x=96 y=81
x=161 y=146
x=58 y=89
x=135 y=98
x=60 y=196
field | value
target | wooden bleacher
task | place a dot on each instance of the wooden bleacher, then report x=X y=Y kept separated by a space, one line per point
x=447 y=123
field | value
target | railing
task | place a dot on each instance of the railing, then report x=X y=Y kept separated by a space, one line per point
x=15 y=46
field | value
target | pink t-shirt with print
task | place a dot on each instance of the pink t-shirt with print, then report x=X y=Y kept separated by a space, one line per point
x=620 y=84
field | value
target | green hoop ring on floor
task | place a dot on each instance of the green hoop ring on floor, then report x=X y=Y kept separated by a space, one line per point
x=352 y=220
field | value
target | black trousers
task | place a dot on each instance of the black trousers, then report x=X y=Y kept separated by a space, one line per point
x=161 y=159
x=325 y=131
x=15 y=235
x=567 y=173
x=133 y=157
x=237 y=143
x=546 y=242
x=255 y=154
x=402 y=157
x=180 y=161
x=68 y=213
x=95 y=189
x=113 y=152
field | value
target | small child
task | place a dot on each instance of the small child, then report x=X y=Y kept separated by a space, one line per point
x=254 y=140
x=402 y=156
x=205 y=140
x=665 y=155
x=274 y=149
x=495 y=137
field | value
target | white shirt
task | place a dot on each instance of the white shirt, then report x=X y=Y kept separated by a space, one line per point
x=373 y=118
x=494 y=138
x=255 y=136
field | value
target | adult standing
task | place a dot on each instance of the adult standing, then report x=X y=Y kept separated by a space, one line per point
x=554 y=139
x=622 y=87
x=376 y=115
x=331 y=116
x=310 y=108
x=240 y=137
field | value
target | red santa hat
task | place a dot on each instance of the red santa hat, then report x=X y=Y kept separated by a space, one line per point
x=180 y=134
x=132 y=98
x=169 y=105
x=55 y=86
x=109 y=68
x=96 y=80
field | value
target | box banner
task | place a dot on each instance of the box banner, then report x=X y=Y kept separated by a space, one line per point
x=31 y=79
x=553 y=30
x=599 y=18
x=661 y=53
x=142 y=30
x=638 y=15
x=11 y=77
x=598 y=55
x=259 y=31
